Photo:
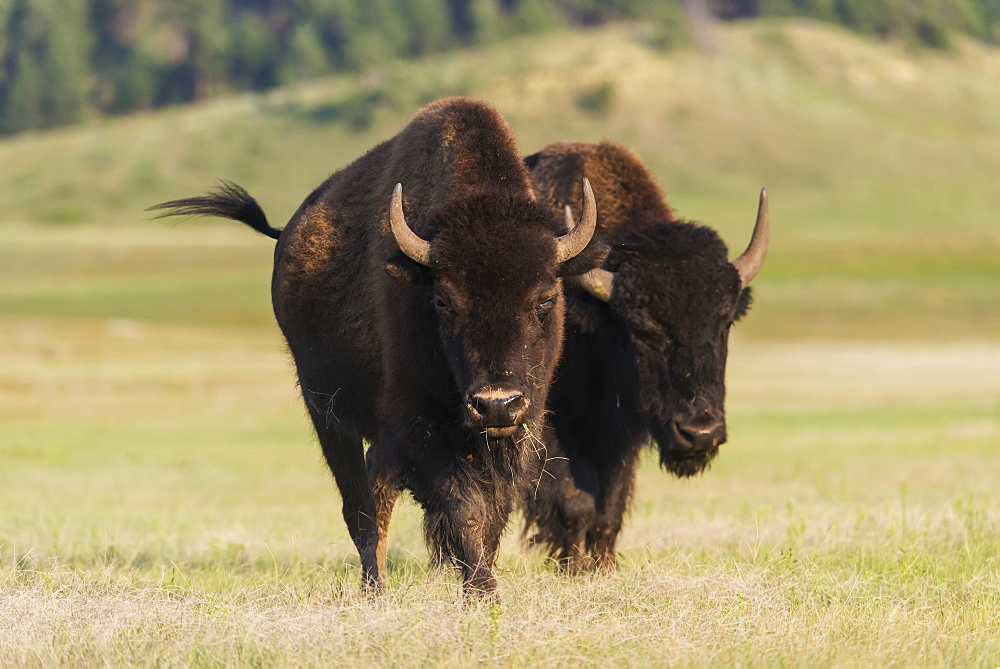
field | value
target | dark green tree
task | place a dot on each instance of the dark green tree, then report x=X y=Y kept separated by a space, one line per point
x=991 y=19
x=379 y=36
x=59 y=58
x=22 y=98
x=535 y=15
x=307 y=54
x=63 y=67
x=867 y=16
x=201 y=26
x=487 y=21
x=45 y=64
x=134 y=82
x=255 y=57
x=334 y=21
x=426 y=25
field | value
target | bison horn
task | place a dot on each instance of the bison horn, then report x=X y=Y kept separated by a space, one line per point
x=576 y=240
x=417 y=249
x=750 y=262
x=598 y=282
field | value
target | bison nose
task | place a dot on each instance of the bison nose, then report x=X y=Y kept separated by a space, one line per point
x=700 y=433
x=497 y=409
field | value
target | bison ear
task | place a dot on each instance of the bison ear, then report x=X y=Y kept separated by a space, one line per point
x=743 y=303
x=402 y=268
x=591 y=257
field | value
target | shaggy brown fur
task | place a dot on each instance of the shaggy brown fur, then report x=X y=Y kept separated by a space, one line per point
x=649 y=366
x=393 y=352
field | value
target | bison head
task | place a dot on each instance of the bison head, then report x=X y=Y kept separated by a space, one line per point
x=678 y=296
x=487 y=280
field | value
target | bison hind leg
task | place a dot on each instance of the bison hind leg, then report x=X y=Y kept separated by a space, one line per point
x=562 y=513
x=345 y=455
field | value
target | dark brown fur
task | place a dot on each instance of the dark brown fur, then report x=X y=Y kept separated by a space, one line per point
x=635 y=369
x=387 y=350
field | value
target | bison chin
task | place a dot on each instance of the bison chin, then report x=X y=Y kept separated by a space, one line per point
x=686 y=463
x=680 y=458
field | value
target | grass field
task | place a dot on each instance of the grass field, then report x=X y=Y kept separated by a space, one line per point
x=164 y=502
x=163 y=499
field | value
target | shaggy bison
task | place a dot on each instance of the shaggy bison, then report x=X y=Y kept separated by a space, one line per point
x=419 y=292
x=645 y=352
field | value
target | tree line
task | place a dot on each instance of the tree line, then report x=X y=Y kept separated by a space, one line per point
x=63 y=59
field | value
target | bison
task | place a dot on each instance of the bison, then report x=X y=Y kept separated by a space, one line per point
x=645 y=353
x=419 y=292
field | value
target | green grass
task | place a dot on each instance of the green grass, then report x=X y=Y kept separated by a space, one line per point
x=216 y=274
x=163 y=499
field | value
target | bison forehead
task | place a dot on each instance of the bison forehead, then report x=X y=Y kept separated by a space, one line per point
x=683 y=289
x=675 y=270
x=495 y=239
x=671 y=241
x=498 y=279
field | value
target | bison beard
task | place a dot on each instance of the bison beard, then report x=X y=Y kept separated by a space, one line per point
x=419 y=292
x=646 y=344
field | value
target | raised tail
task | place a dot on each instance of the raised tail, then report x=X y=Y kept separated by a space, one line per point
x=228 y=201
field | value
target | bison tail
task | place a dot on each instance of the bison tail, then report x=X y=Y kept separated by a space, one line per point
x=228 y=201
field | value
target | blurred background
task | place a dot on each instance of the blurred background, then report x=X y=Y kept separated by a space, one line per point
x=148 y=409
x=873 y=122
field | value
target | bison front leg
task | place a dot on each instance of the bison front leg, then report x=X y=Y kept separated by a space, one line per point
x=476 y=561
x=464 y=532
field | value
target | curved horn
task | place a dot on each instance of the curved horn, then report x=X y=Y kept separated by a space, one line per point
x=417 y=249
x=750 y=262
x=598 y=282
x=576 y=240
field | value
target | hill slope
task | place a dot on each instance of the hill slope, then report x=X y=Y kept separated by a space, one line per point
x=881 y=163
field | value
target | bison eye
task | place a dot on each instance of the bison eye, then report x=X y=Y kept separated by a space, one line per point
x=440 y=305
x=543 y=309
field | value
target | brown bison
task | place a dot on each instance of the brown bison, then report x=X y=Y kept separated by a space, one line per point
x=645 y=353
x=425 y=319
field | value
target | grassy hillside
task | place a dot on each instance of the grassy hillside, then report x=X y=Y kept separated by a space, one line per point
x=881 y=163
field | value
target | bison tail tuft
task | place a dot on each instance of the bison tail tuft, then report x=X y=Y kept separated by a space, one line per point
x=228 y=201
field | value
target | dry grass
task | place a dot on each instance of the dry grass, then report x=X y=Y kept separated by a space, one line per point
x=666 y=612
